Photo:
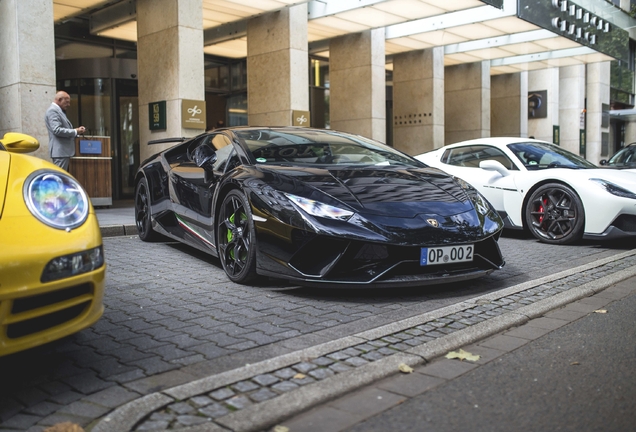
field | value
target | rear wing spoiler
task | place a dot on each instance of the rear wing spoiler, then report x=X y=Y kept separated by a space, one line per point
x=167 y=140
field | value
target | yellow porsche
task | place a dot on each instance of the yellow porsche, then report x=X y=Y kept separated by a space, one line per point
x=52 y=268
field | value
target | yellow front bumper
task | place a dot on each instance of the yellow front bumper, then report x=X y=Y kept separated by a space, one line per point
x=32 y=312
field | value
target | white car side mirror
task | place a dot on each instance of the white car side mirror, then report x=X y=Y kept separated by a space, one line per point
x=491 y=165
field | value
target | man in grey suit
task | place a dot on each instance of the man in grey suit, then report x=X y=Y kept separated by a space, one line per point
x=61 y=132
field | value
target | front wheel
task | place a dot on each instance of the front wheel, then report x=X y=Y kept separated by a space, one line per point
x=237 y=238
x=143 y=219
x=555 y=214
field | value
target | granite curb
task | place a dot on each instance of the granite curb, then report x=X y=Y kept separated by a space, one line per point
x=264 y=414
x=118 y=230
x=210 y=383
x=125 y=417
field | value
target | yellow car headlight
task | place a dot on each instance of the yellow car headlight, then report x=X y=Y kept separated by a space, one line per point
x=56 y=199
x=73 y=264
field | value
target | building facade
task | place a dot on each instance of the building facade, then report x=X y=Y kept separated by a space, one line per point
x=417 y=74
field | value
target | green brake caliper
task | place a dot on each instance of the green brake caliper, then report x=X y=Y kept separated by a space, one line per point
x=230 y=236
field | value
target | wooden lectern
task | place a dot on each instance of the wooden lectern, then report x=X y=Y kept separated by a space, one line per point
x=92 y=167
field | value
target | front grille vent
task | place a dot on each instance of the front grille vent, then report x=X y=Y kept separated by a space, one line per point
x=44 y=322
x=43 y=311
x=50 y=298
x=626 y=223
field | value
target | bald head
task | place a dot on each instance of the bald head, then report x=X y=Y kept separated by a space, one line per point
x=62 y=99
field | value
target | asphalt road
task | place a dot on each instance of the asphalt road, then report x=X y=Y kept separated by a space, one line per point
x=173 y=317
x=580 y=377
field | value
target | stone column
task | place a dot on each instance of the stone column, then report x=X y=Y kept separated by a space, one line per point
x=418 y=100
x=169 y=64
x=467 y=101
x=358 y=84
x=277 y=67
x=27 y=68
x=547 y=80
x=509 y=105
x=598 y=93
x=571 y=105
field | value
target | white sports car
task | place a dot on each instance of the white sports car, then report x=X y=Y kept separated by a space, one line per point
x=534 y=184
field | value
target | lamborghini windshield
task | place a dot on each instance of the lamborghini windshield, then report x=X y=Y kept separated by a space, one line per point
x=320 y=148
x=536 y=156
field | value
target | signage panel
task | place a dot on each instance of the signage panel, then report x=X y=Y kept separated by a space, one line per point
x=157 y=115
x=538 y=104
x=193 y=114
x=566 y=18
x=582 y=142
x=90 y=147
x=300 y=118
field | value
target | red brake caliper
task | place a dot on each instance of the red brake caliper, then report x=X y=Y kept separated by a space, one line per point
x=542 y=209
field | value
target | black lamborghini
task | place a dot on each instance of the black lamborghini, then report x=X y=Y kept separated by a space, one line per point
x=318 y=208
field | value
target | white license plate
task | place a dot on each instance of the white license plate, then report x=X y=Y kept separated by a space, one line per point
x=446 y=254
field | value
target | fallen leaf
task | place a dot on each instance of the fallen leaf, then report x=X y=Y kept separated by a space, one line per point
x=300 y=376
x=404 y=368
x=462 y=355
x=601 y=311
x=279 y=428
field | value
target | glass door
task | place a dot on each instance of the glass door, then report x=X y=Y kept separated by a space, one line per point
x=127 y=154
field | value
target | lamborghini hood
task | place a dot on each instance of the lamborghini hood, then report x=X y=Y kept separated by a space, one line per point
x=383 y=192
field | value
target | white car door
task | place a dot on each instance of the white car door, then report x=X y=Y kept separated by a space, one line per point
x=494 y=184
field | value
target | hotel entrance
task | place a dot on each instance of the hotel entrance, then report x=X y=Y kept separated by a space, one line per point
x=104 y=99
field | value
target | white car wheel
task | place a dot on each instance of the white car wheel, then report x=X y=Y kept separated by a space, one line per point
x=554 y=214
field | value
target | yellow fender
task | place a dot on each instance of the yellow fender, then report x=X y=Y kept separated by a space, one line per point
x=19 y=143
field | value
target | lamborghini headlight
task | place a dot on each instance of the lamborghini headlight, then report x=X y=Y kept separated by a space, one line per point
x=316 y=208
x=614 y=189
x=481 y=204
x=56 y=199
x=463 y=183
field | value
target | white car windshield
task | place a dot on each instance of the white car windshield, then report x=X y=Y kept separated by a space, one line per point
x=544 y=155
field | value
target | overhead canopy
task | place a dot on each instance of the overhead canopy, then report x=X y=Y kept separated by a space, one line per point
x=515 y=35
x=624 y=114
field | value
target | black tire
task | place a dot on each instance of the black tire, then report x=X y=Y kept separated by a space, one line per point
x=555 y=215
x=142 y=213
x=237 y=238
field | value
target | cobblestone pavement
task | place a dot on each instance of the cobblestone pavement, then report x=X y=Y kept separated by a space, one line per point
x=172 y=317
x=217 y=402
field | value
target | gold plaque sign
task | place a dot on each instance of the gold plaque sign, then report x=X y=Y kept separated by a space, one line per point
x=300 y=118
x=193 y=114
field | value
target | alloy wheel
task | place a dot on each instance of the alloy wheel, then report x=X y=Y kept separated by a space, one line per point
x=236 y=238
x=555 y=214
